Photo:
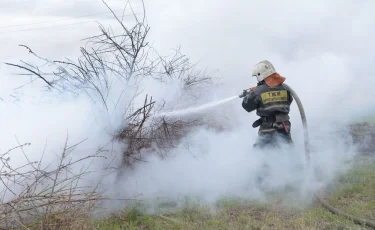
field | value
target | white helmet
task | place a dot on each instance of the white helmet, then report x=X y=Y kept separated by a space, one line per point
x=263 y=69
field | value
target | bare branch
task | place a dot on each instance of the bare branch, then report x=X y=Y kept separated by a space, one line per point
x=32 y=71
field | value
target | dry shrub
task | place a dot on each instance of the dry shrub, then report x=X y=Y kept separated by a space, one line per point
x=143 y=131
x=42 y=199
x=146 y=132
x=128 y=56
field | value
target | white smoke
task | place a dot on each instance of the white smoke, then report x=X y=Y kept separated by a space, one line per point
x=327 y=66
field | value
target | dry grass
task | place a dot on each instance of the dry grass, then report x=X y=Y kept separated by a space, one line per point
x=353 y=193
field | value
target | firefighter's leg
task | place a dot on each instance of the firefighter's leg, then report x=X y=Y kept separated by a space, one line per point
x=263 y=140
x=286 y=137
x=285 y=134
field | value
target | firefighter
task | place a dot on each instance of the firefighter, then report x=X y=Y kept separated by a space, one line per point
x=272 y=104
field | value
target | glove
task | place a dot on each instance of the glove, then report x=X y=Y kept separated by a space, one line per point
x=257 y=123
x=246 y=91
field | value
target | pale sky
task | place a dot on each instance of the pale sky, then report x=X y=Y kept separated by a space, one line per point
x=214 y=32
x=33 y=23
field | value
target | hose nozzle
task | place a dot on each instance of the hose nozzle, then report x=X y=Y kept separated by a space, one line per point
x=244 y=93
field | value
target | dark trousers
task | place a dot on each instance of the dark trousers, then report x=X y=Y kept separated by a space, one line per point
x=273 y=139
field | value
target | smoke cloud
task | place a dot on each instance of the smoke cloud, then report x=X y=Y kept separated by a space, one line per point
x=323 y=49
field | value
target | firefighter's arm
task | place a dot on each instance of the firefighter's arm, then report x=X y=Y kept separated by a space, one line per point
x=249 y=102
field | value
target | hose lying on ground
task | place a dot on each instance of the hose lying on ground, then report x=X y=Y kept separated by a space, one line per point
x=307 y=155
x=334 y=210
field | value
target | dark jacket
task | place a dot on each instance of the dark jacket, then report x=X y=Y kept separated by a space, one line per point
x=272 y=104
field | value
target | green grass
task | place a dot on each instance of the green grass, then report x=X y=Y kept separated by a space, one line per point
x=354 y=193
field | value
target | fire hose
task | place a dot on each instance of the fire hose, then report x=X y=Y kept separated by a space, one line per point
x=324 y=203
